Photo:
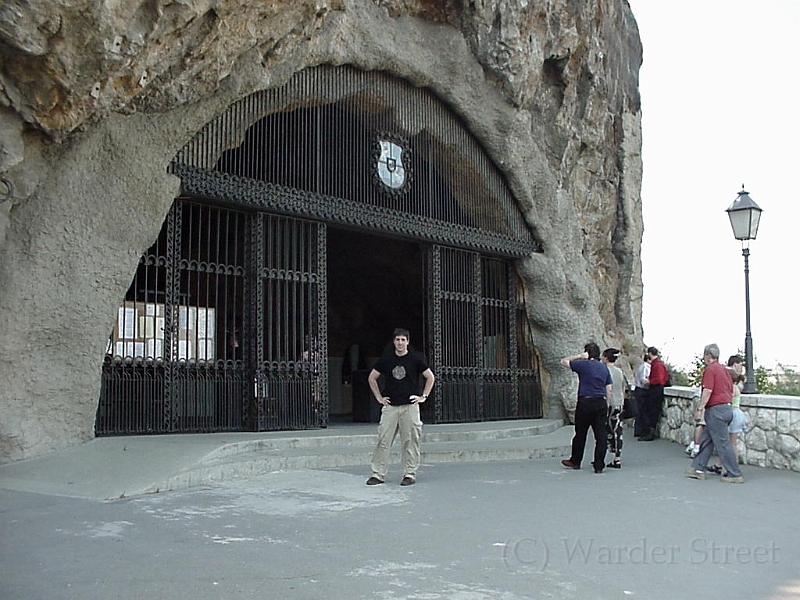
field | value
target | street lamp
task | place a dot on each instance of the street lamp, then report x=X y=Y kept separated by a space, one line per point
x=745 y=215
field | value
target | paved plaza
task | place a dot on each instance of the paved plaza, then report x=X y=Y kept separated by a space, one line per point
x=505 y=530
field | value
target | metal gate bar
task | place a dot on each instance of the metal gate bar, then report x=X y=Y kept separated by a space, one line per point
x=486 y=368
x=224 y=326
x=290 y=347
x=219 y=329
x=320 y=133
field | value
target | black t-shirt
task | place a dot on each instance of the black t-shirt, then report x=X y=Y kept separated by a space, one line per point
x=402 y=375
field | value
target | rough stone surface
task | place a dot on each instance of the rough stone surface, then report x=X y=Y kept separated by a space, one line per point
x=96 y=99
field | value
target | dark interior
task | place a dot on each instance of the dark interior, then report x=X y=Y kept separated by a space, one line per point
x=375 y=284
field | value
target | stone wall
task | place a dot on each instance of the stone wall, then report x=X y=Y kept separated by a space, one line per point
x=772 y=436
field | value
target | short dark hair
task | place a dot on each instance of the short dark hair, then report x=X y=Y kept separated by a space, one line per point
x=404 y=332
x=611 y=354
x=652 y=350
x=593 y=350
x=735 y=360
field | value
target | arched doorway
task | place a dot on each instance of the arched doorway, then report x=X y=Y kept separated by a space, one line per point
x=237 y=313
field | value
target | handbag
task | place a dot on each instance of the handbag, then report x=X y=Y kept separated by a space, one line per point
x=629 y=404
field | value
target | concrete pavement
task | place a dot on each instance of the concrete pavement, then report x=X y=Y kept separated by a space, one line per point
x=126 y=466
x=505 y=529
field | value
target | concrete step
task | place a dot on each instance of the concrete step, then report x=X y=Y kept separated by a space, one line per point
x=363 y=435
x=474 y=442
x=116 y=467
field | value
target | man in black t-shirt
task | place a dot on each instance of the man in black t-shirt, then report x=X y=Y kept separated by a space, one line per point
x=400 y=413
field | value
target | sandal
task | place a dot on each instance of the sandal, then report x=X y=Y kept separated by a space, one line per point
x=716 y=469
x=614 y=465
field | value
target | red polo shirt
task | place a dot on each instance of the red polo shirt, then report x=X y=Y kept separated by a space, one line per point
x=717 y=379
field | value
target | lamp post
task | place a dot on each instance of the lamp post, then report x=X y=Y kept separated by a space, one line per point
x=745 y=215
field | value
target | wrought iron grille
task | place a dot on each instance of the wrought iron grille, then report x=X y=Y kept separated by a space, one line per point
x=289 y=341
x=312 y=148
x=183 y=355
x=486 y=369
x=224 y=326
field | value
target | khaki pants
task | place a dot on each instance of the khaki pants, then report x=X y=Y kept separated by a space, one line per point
x=405 y=420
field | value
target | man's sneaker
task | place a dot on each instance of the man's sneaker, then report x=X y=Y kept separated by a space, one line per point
x=374 y=481
x=407 y=481
x=569 y=464
x=732 y=479
x=695 y=474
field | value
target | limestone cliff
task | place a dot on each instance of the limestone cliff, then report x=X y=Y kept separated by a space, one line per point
x=96 y=98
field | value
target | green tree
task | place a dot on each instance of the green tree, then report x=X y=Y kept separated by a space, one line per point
x=695 y=374
x=764 y=383
x=784 y=380
x=677 y=375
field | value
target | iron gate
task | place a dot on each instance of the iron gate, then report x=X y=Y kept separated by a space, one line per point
x=225 y=324
x=485 y=368
x=220 y=328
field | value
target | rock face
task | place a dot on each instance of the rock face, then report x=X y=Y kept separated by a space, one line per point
x=97 y=98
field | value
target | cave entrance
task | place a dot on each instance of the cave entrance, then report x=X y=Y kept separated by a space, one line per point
x=313 y=219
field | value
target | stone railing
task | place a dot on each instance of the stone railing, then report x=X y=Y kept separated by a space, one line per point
x=772 y=435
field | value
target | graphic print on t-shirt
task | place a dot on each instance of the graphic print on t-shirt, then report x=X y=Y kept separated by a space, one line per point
x=399 y=372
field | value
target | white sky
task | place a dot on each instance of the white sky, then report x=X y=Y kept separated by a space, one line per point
x=720 y=87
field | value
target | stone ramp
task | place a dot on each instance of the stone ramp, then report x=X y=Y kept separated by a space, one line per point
x=110 y=468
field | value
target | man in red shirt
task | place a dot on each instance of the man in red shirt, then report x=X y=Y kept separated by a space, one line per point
x=715 y=405
x=654 y=398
